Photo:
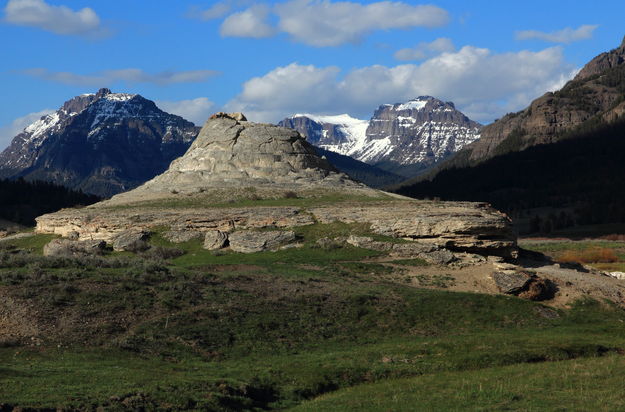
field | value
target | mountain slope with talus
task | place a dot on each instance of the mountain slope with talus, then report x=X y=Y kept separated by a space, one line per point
x=595 y=95
x=402 y=138
x=102 y=143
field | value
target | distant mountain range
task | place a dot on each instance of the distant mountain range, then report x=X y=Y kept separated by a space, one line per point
x=101 y=143
x=402 y=138
x=557 y=163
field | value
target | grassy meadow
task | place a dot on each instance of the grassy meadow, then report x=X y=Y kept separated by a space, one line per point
x=314 y=328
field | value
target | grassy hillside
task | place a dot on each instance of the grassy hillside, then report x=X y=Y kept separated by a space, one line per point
x=181 y=328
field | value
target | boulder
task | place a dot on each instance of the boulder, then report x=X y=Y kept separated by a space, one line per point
x=250 y=241
x=616 y=275
x=511 y=283
x=131 y=241
x=367 y=242
x=215 y=239
x=539 y=289
x=180 y=236
x=524 y=285
x=74 y=248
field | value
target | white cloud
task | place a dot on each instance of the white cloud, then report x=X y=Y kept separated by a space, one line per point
x=566 y=35
x=323 y=23
x=482 y=84
x=195 y=110
x=424 y=50
x=122 y=75
x=56 y=19
x=217 y=10
x=248 y=23
x=285 y=90
x=11 y=130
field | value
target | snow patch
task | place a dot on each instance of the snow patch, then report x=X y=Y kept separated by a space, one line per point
x=118 y=97
x=411 y=105
x=353 y=129
x=41 y=127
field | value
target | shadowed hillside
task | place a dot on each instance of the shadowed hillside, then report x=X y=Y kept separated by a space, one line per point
x=580 y=179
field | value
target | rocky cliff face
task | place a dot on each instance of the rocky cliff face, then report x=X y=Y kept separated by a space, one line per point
x=422 y=131
x=102 y=143
x=401 y=138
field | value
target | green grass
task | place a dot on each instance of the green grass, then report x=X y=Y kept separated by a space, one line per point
x=271 y=336
x=252 y=199
x=32 y=244
x=410 y=262
x=52 y=376
x=576 y=385
x=557 y=246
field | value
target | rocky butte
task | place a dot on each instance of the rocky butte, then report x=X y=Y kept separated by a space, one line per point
x=239 y=177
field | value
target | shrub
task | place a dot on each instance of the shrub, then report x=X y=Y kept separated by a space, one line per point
x=594 y=255
x=163 y=253
x=614 y=237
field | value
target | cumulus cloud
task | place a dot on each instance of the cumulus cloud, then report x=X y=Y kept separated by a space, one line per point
x=424 y=49
x=566 y=35
x=11 y=130
x=482 y=84
x=195 y=110
x=285 y=90
x=248 y=23
x=323 y=23
x=326 y=23
x=122 y=75
x=56 y=19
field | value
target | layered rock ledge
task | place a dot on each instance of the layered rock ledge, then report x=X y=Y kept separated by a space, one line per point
x=457 y=226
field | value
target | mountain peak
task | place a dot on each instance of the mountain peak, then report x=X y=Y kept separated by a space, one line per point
x=399 y=136
x=603 y=62
x=100 y=143
x=103 y=92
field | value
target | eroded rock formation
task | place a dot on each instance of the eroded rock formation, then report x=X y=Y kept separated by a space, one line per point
x=232 y=156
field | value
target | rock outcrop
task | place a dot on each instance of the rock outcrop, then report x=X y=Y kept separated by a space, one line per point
x=236 y=153
x=74 y=248
x=251 y=241
x=200 y=196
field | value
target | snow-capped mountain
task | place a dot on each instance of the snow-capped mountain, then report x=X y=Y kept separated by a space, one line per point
x=101 y=143
x=340 y=134
x=402 y=137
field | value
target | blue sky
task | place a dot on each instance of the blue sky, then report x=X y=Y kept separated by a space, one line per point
x=270 y=59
